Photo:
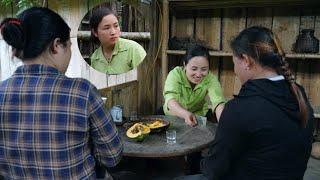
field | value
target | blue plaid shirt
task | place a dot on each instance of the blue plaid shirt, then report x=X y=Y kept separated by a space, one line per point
x=53 y=127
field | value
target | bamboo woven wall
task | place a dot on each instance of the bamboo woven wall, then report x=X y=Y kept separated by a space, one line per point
x=218 y=26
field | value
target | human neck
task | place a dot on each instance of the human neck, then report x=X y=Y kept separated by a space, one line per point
x=262 y=73
x=107 y=51
x=42 y=59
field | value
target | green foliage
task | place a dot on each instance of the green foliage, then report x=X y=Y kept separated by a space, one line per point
x=22 y=4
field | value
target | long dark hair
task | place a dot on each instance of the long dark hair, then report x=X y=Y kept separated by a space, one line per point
x=96 y=18
x=34 y=31
x=263 y=46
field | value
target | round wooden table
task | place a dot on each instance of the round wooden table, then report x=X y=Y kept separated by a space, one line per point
x=189 y=139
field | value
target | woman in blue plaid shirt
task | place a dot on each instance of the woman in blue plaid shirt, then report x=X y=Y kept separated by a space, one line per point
x=51 y=126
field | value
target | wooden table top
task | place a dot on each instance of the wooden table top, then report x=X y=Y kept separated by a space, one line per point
x=189 y=139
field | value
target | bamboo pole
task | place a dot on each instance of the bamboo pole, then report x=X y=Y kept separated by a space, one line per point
x=165 y=30
x=139 y=36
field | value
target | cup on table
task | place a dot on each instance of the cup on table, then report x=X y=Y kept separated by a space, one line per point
x=171 y=135
x=133 y=116
x=202 y=121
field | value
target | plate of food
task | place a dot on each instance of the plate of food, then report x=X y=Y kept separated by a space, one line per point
x=155 y=125
x=141 y=128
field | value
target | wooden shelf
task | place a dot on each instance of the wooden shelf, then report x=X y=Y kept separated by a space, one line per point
x=229 y=54
x=206 y=4
x=212 y=53
x=303 y=56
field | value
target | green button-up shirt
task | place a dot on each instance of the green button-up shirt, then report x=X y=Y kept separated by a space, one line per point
x=126 y=55
x=178 y=87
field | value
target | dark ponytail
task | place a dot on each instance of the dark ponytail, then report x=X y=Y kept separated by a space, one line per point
x=263 y=46
x=34 y=31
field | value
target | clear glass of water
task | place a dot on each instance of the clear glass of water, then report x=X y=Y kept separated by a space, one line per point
x=171 y=136
x=202 y=121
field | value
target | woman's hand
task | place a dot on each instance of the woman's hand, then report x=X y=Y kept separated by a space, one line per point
x=176 y=109
x=190 y=119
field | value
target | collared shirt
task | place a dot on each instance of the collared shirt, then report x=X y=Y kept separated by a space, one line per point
x=53 y=127
x=178 y=87
x=126 y=55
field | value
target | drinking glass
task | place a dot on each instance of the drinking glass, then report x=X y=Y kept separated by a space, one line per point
x=171 y=136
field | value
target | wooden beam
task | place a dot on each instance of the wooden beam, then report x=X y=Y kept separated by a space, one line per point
x=139 y=36
x=223 y=53
x=210 y=4
x=165 y=34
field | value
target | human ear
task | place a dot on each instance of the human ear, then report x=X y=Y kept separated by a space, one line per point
x=56 y=45
x=94 y=33
x=247 y=61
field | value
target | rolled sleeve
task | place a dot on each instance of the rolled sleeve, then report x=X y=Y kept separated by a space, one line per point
x=107 y=144
x=215 y=93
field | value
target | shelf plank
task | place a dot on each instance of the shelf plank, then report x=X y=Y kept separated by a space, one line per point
x=212 y=53
x=222 y=53
x=303 y=56
x=207 y=4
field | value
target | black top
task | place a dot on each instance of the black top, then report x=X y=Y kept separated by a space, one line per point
x=259 y=135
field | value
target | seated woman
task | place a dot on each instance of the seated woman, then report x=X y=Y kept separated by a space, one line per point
x=115 y=55
x=52 y=126
x=266 y=131
x=187 y=87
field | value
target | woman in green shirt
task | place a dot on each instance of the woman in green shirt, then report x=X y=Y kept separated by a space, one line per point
x=187 y=87
x=115 y=55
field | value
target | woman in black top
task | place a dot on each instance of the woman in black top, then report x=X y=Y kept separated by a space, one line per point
x=265 y=132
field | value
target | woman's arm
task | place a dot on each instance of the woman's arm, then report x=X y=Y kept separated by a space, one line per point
x=219 y=110
x=216 y=95
x=176 y=109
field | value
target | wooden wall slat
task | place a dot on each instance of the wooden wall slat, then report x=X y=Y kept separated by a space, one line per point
x=185 y=27
x=234 y=21
x=208 y=30
x=146 y=72
x=314 y=94
x=125 y=95
x=259 y=17
x=286 y=26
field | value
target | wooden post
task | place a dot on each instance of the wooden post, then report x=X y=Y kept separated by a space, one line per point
x=165 y=30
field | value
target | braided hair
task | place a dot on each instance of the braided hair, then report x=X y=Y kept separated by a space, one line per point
x=263 y=46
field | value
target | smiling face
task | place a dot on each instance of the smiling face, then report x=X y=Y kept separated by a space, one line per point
x=196 y=69
x=108 y=30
